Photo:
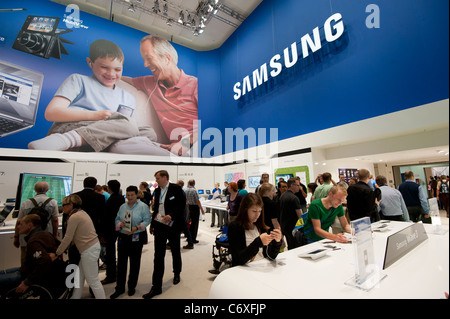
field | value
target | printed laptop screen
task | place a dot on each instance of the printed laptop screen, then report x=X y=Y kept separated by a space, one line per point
x=20 y=89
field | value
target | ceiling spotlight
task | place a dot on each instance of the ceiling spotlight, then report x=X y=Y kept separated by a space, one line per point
x=165 y=9
x=156 y=8
x=169 y=22
x=188 y=21
x=131 y=8
x=181 y=18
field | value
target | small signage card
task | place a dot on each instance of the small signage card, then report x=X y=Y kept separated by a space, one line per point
x=402 y=242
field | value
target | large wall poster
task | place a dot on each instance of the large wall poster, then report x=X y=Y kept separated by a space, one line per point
x=72 y=81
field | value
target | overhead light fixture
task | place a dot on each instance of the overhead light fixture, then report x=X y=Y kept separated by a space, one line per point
x=188 y=21
x=181 y=18
x=196 y=20
x=156 y=8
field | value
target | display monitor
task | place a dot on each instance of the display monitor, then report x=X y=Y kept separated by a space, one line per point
x=284 y=176
x=201 y=191
x=60 y=187
x=253 y=181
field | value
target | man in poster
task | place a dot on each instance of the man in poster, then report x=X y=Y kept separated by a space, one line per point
x=174 y=94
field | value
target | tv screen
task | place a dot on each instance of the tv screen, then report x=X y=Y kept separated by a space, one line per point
x=201 y=191
x=253 y=181
x=60 y=187
x=284 y=176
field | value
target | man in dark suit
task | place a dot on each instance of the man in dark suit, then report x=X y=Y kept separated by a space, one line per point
x=362 y=201
x=93 y=203
x=109 y=229
x=167 y=225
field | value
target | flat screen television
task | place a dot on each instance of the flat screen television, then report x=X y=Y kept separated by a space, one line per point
x=285 y=176
x=253 y=181
x=60 y=187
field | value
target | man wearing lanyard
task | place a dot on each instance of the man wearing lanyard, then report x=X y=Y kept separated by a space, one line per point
x=167 y=225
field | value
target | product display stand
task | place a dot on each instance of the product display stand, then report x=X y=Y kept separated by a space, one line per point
x=367 y=273
x=436 y=218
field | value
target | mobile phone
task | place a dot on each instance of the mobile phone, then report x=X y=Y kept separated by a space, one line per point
x=125 y=110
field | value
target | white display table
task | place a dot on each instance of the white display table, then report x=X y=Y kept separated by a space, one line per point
x=214 y=204
x=422 y=274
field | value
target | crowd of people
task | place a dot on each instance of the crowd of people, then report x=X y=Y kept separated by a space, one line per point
x=98 y=223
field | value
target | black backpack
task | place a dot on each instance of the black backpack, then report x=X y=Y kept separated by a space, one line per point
x=41 y=212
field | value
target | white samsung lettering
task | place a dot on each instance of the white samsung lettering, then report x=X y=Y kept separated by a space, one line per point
x=315 y=45
x=260 y=77
x=276 y=66
x=334 y=29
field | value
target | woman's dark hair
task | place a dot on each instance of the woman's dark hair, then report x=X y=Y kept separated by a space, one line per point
x=241 y=183
x=251 y=199
x=114 y=186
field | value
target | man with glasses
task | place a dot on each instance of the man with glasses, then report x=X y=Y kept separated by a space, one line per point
x=290 y=211
x=321 y=215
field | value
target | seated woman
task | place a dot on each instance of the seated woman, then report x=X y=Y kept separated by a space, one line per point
x=249 y=238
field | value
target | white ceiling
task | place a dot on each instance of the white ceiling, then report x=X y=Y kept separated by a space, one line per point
x=218 y=28
x=428 y=155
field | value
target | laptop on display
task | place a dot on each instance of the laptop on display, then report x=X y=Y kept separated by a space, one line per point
x=20 y=90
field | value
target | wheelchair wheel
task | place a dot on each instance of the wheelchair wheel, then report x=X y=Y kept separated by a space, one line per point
x=33 y=292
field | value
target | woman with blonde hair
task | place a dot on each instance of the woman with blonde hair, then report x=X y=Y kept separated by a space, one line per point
x=81 y=232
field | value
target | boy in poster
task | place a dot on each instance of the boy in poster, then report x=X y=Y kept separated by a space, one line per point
x=92 y=111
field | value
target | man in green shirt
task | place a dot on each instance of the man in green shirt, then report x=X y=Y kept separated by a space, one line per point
x=323 y=190
x=321 y=215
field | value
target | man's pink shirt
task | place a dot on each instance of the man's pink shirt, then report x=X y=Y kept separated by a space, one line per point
x=177 y=107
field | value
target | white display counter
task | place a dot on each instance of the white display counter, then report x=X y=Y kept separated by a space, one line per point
x=422 y=274
x=215 y=204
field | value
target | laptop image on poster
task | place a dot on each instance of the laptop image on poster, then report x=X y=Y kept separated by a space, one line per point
x=20 y=90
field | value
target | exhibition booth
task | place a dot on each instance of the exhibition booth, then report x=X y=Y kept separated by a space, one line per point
x=297 y=90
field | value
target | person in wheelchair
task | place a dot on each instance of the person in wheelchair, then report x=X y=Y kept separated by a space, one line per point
x=38 y=267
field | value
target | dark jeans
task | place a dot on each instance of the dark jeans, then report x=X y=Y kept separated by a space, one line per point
x=444 y=198
x=194 y=214
x=417 y=214
x=287 y=232
x=162 y=235
x=9 y=279
x=110 y=258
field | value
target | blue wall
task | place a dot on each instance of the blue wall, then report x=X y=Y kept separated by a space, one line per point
x=366 y=73
x=403 y=64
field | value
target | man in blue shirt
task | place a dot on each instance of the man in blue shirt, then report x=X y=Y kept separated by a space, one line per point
x=392 y=205
x=415 y=200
